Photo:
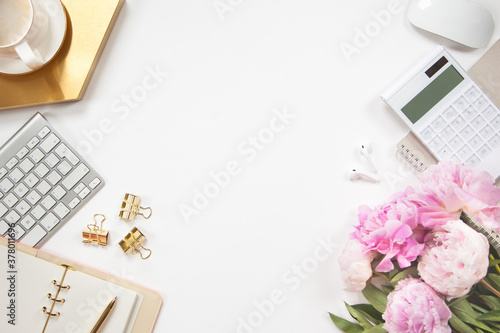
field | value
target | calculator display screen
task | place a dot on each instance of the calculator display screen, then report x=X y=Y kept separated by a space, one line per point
x=432 y=94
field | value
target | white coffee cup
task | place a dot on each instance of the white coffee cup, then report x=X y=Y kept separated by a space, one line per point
x=23 y=26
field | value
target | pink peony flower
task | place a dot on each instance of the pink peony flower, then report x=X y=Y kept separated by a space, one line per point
x=450 y=188
x=414 y=307
x=389 y=230
x=355 y=266
x=454 y=259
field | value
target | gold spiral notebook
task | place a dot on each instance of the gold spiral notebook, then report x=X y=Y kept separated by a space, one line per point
x=52 y=294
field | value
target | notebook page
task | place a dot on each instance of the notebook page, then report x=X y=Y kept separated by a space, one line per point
x=84 y=301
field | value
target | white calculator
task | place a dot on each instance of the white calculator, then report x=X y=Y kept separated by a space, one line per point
x=448 y=112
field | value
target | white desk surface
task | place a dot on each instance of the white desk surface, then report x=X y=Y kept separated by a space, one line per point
x=259 y=255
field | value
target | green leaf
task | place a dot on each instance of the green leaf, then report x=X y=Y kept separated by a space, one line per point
x=370 y=313
x=410 y=271
x=494 y=262
x=492 y=302
x=458 y=325
x=494 y=280
x=464 y=311
x=358 y=316
x=345 y=326
x=376 y=297
x=376 y=329
x=490 y=316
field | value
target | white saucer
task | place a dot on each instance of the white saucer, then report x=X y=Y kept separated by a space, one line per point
x=54 y=40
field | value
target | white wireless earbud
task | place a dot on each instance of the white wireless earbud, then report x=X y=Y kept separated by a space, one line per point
x=366 y=152
x=359 y=175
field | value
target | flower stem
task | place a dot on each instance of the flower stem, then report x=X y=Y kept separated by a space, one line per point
x=382 y=275
x=493 y=290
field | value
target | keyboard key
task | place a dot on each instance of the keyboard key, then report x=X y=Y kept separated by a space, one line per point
x=58 y=192
x=33 y=197
x=3 y=172
x=28 y=222
x=11 y=163
x=43 y=132
x=22 y=152
x=21 y=190
x=31 y=180
x=64 y=168
x=41 y=170
x=84 y=193
x=38 y=212
x=51 y=160
x=48 y=144
x=19 y=231
x=49 y=221
x=23 y=207
x=93 y=184
x=54 y=177
x=3 y=209
x=61 y=210
x=75 y=176
x=26 y=165
x=43 y=187
x=34 y=236
x=6 y=185
x=16 y=175
x=63 y=151
x=10 y=200
x=12 y=217
x=78 y=188
x=72 y=204
x=36 y=155
x=4 y=226
x=48 y=202
x=33 y=142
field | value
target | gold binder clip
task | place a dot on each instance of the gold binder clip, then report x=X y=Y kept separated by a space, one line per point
x=94 y=234
x=131 y=243
x=130 y=208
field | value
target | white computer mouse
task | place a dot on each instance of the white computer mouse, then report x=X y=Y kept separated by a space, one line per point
x=462 y=21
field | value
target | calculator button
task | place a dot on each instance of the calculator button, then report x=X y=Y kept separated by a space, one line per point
x=461 y=103
x=489 y=112
x=438 y=123
x=469 y=113
x=436 y=143
x=495 y=123
x=428 y=133
x=473 y=160
x=475 y=142
x=487 y=131
x=467 y=132
x=456 y=142
x=447 y=133
x=494 y=141
x=458 y=123
x=450 y=113
x=472 y=93
x=444 y=152
x=478 y=122
x=484 y=151
x=464 y=152
x=480 y=103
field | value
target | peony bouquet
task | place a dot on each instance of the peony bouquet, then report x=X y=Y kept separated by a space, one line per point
x=419 y=265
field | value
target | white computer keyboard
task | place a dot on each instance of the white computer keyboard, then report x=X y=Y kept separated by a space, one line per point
x=468 y=131
x=43 y=181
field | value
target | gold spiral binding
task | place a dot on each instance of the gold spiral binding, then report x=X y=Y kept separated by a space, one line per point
x=55 y=299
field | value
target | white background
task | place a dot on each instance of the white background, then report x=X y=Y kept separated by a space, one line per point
x=279 y=224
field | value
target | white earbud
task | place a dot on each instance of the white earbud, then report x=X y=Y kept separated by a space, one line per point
x=355 y=174
x=366 y=152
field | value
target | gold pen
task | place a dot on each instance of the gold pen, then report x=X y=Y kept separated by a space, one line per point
x=103 y=316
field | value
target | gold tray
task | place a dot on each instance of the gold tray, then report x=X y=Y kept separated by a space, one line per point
x=67 y=76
